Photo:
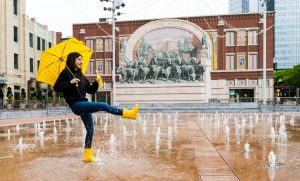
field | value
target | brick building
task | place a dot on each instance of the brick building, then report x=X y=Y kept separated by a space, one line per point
x=179 y=60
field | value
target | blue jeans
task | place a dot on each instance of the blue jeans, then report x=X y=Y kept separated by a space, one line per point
x=85 y=110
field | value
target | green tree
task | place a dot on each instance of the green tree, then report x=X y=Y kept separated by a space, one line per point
x=289 y=76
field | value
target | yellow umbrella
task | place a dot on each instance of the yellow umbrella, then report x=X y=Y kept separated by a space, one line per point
x=54 y=59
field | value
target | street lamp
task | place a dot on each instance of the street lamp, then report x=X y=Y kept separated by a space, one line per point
x=116 y=4
x=264 y=5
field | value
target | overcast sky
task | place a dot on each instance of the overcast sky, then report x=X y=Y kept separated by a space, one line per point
x=59 y=15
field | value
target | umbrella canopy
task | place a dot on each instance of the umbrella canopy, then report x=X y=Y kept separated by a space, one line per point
x=54 y=59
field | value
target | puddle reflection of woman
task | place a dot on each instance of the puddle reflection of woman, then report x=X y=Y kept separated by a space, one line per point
x=74 y=86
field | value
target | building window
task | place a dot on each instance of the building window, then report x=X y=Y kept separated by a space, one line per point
x=99 y=67
x=49 y=44
x=15 y=34
x=108 y=66
x=90 y=69
x=252 y=37
x=108 y=44
x=43 y=44
x=31 y=40
x=15 y=7
x=241 y=62
x=123 y=42
x=38 y=43
x=230 y=62
x=38 y=65
x=31 y=65
x=16 y=61
x=99 y=44
x=90 y=44
x=241 y=38
x=230 y=38
x=252 y=61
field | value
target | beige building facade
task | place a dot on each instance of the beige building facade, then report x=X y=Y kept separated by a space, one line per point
x=21 y=42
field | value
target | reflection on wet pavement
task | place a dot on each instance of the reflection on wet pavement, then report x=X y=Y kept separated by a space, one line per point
x=263 y=134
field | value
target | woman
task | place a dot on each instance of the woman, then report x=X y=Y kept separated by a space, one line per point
x=72 y=83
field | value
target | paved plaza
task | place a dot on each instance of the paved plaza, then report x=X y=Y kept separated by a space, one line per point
x=157 y=146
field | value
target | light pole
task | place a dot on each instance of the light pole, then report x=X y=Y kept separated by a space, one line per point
x=264 y=4
x=116 y=4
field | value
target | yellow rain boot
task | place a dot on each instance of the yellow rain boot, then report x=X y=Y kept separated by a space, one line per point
x=88 y=155
x=131 y=114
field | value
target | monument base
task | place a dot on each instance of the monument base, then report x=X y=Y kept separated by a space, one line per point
x=161 y=93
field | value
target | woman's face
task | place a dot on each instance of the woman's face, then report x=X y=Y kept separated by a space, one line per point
x=78 y=63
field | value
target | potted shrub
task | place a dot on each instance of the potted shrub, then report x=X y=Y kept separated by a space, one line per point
x=10 y=98
x=23 y=99
x=22 y=102
x=34 y=102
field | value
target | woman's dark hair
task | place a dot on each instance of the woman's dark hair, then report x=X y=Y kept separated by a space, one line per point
x=71 y=65
x=71 y=60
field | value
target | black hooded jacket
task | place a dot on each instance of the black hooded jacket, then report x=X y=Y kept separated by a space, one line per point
x=73 y=94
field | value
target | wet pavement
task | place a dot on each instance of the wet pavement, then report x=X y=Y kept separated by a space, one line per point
x=160 y=146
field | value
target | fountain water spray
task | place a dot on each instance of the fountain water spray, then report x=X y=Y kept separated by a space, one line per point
x=54 y=130
x=21 y=146
x=44 y=125
x=247 y=151
x=273 y=134
x=247 y=147
x=41 y=134
x=8 y=134
x=145 y=127
x=105 y=127
x=157 y=140
x=292 y=121
x=68 y=125
x=125 y=133
x=83 y=135
x=227 y=132
x=272 y=160
x=17 y=128
x=112 y=143
x=170 y=138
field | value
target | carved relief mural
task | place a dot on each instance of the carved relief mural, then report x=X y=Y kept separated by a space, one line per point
x=166 y=55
